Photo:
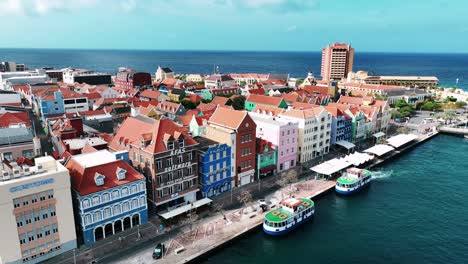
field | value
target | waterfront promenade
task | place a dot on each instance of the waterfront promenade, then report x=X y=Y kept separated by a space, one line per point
x=216 y=231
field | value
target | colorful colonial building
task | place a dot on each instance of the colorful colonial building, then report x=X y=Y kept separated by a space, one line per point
x=237 y=130
x=109 y=195
x=214 y=167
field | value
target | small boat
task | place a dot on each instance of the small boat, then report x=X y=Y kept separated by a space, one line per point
x=353 y=181
x=292 y=213
x=466 y=136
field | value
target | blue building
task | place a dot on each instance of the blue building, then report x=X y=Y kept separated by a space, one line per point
x=109 y=195
x=51 y=103
x=341 y=127
x=214 y=167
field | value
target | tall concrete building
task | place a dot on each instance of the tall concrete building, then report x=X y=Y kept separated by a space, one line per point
x=337 y=61
x=37 y=214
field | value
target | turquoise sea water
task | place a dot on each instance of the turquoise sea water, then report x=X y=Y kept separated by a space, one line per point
x=415 y=211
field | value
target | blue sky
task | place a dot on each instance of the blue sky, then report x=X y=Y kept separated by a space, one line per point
x=292 y=25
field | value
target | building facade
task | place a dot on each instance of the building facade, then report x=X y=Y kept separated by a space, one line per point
x=282 y=134
x=314 y=126
x=16 y=142
x=128 y=79
x=267 y=160
x=165 y=154
x=214 y=169
x=237 y=130
x=109 y=195
x=337 y=61
x=72 y=76
x=37 y=216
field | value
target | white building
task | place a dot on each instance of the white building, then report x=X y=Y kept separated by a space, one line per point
x=219 y=81
x=8 y=79
x=72 y=76
x=314 y=131
x=37 y=215
x=163 y=73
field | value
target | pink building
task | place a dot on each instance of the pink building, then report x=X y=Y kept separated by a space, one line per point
x=337 y=61
x=282 y=134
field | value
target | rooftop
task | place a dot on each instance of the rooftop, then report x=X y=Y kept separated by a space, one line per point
x=80 y=143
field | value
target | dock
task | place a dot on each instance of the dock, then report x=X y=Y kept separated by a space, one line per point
x=454 y=130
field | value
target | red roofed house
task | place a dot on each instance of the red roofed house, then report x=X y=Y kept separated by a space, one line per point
x=92 y=98
x=152 y=95
x=167 y=156
x=109 y=193
x=255 y=99
x=237 y=130
x=170 y=109
x=128 y=79
x=18 y=119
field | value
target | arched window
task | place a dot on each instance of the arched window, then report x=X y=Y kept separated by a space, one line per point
x=134 y=203
x=124 y=191
x=105 y=197
x=97 y=216
x=134 y=188
x=95 y=200
x=107 y=213
x=142 y=186
x=85 y=203
x=115 y=194
x=142 y=201
x=116 y=209
x=87 y=219
x=125 y=207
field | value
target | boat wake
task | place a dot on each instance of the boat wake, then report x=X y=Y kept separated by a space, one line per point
x=381 y=174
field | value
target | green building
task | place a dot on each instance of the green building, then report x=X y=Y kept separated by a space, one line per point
x=255 y=99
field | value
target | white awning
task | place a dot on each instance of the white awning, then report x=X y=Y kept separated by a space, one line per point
x=357 y=158
x=379 y=135
x=379 y=150
x=345 y=144
x=331 y=166
x=185 y=208
x=401 y=139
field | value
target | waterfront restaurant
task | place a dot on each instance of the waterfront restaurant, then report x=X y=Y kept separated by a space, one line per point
x=401 y=140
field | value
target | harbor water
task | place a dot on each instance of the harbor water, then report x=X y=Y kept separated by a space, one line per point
x=415 y=211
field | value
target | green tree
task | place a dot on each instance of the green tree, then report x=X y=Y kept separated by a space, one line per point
x=238 y=102
x=431 y=106
x=189 y=104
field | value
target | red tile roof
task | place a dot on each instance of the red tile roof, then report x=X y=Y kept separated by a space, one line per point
x=195 y=98
x=150 y=94
x=168 y=107
x=268 y=110
x=299 y=105
x=313 y=89
x=92 y=96
x=228 y=118
x=290 y=97
x=220 y=100
x=133 y=130
x=209 y=107
x=7 y=119
x=82 y=177
x=265 y=99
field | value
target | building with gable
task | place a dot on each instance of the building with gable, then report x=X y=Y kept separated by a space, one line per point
x=109 y=195
x=237 y=130
x=264 y=100
x=166 y=155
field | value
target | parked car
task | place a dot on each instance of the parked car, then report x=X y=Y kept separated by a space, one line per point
x=158 y=251
x=263 y=205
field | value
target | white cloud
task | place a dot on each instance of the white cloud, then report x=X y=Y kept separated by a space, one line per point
x=11 y=7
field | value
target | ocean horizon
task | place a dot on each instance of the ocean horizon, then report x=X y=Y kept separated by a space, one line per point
x=446 y=66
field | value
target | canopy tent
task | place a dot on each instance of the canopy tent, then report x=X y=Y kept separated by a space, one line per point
x=379 y=150
x=357 y=158
x=401 y=139
x=331 y=166
x=378 y=135
x=345 y=144
x=185 y=208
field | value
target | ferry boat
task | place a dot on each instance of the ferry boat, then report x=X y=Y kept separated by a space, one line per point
x=291 y=213
x=353 y=181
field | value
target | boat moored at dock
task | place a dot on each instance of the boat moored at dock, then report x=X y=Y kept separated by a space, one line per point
x=354 y=180
x=291 y=213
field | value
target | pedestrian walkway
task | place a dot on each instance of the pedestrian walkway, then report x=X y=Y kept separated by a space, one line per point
x=214 y=232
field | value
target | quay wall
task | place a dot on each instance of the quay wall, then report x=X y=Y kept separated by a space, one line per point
x=258 y=224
